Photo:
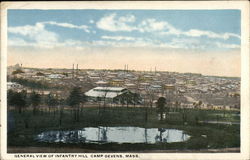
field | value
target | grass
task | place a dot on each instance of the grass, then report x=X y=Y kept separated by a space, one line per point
x=218 y=135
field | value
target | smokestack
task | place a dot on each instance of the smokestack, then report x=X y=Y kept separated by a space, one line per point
x=73 y=71
x=76 y=69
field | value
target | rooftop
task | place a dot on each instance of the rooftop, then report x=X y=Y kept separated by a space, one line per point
x=108 y=88
x=108 y=92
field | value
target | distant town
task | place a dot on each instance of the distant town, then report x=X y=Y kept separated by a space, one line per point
x=187 y=90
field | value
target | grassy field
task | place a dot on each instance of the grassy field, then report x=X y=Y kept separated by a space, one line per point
x=216 y=135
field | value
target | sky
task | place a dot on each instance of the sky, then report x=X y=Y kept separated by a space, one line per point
x=198 y=41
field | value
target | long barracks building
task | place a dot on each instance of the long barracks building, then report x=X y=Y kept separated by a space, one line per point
x=117 y=95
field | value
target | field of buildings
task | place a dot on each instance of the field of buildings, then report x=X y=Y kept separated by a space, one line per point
x=188 y=90
x=207 y=108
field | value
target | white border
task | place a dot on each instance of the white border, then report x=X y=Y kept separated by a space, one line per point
x=170 y=5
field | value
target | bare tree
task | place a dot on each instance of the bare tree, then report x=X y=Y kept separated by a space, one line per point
x=35 y=100
x=51 y=101
x=104 y=97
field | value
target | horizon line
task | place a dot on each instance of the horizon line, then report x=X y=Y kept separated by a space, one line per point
x=130 y=70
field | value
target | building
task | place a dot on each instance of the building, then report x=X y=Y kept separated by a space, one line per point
x=117 y=82
x=13 y=85
x=130 y=85
x=117 y=95
x=169 y=89
x=55 y=76
x=101 y=83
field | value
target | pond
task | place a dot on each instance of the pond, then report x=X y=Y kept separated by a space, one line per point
x=120 y=135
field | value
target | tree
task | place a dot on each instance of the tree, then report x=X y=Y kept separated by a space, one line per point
x=83 y=100
x=61 y=109
x=99 y=99
x=104 y=98
x=224 y=110
x=195 y=105
x=51 y=101
x=18 y=100
x=35 y=100
x=31 y=83
x=199 y=104
x=136 y=98
x=161 y=106
x=10 y=94
x=74 y=100
x=184 y=116
x=127 y=98
x=148 y=101
x=150 y=96
x=176 y=105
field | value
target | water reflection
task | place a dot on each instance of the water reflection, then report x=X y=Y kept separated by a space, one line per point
x=114 y=134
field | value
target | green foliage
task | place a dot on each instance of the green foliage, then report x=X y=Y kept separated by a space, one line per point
x=75 y=97
x=31 y=83
x=10 y=95
x=51 y=101
x=200 y=103
x=161 y=103
x=128 y=98
x=161 y=106
x=17 y=99
x=35 y=99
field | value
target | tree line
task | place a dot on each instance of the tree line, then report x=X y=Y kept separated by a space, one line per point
x=31 y=83
x=21 y=101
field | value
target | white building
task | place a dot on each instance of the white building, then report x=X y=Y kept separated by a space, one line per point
x=111 y=94
x=13 y=85
x=55 y=76
x=106 y=92
x=101 y=83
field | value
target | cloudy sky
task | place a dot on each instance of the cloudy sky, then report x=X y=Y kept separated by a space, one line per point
x=200 y=41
